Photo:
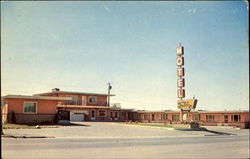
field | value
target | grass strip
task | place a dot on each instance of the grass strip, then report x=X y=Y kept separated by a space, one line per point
x=17 y=126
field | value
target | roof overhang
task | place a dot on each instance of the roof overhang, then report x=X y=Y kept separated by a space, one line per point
x=225 y=112
x=35 y=97
x=119 y=108
x=82 y=106
x=155 y=111
x=66 y=92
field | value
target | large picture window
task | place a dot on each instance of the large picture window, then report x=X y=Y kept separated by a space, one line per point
x=73 y=100
x=29 y=107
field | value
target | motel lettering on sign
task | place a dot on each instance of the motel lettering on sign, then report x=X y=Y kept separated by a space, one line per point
x=180 y=72
x=181 y=82
x=181 y=93
x=180 y=61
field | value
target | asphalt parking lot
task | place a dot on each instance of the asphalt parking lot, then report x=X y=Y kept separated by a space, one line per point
x=102 y=130
x=119 y=140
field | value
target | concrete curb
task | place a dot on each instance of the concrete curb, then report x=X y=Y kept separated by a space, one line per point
x=219 y=133
x=154 y=127
x=25 y=136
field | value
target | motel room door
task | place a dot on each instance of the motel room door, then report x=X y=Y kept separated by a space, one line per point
x=225 y=119
x=83 y=100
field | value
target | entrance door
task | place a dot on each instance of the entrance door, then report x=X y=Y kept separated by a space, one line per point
x=184 y=117
x=225 y=118
x=153 y=117
x=83 y=100
x=63 y=115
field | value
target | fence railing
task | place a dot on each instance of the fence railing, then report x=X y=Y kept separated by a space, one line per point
x=79 y=102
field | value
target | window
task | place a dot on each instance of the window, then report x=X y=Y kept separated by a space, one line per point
x=102 y=113
x=219 y=118
x=73 y=100
x=79 y=113
x=196 y=117
x=145 y=117
x=235 y=118
x=29 y=107
x=116 y=114
x=175 y=117
x=163 y=116
x=92 y=99
x=209 y=118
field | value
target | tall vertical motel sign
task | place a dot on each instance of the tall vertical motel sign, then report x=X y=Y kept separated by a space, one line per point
x=180 y=72
x=187 y=104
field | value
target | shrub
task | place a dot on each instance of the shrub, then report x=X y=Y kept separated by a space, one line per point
x=13 y=117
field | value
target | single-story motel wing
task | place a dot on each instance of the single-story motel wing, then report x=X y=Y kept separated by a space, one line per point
x=79 y=106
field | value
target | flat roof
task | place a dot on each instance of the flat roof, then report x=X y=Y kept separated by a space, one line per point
x=85 y=93
x=226 y=111
x=36 y=97
x=100 y=107
x=119 y=108
x=82 y=106
x=195 y=111
x=155 y=111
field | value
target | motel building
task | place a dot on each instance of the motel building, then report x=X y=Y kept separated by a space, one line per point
x=50 y=107
x=57 y=105
x=204 y=118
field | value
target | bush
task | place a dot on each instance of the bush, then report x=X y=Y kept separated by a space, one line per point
x=56 y=119
x=13 y=117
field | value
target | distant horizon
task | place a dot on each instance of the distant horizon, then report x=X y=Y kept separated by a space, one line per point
x=82 y=46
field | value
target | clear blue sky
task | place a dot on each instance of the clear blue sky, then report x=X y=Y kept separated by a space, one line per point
x=81 y=46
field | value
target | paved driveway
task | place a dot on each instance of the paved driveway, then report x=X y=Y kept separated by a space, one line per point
x=103 y=130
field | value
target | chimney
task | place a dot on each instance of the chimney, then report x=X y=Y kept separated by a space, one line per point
x=55 y=89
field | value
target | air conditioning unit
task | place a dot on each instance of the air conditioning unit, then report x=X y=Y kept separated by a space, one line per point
x=115 y=104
